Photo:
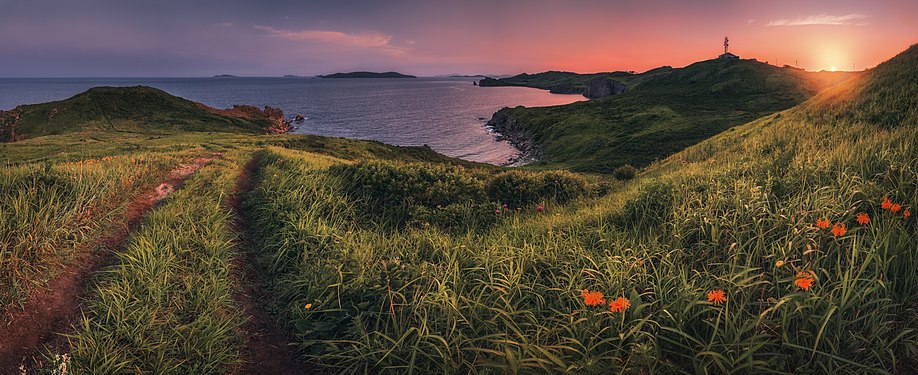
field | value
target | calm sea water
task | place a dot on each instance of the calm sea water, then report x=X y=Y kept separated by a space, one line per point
x=448 y=114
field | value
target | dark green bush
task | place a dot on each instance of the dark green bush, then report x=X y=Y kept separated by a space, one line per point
x=518 y=188
x=625 y=172
x=389 y=184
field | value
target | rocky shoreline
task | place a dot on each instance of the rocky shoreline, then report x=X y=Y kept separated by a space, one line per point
x=506 y=128
x=278 y=124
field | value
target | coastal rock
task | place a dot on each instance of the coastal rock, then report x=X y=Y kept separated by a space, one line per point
x=8 y=121
x=565 y=88
x=275 y=116
x=601 y=87
x=490 y=82
x=509 y=129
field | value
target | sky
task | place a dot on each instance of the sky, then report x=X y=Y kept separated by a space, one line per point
x=190 y=38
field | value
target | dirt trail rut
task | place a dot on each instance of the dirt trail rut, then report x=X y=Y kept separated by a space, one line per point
x=266 y=349
x=58 y=306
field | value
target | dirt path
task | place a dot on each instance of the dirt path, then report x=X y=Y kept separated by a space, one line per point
x=266 y=350
x=58 y=306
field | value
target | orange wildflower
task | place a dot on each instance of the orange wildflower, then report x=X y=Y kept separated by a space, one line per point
x=804 y=280
x=717 y=296
x=886 y=203
x=592 y=298
x=839 y=230
x=863 y=218
x=906 y=213
x=620 y=304
x=822 y=223
x=895 y=208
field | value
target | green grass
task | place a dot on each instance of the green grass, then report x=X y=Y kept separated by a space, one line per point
x=546 y=80
x=126 y=110
x=720 y=215
x=396 y=260
x=167 y=306
x=50 y=209
x=663 y=115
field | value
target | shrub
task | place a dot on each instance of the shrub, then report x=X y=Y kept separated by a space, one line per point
x=517 y=188
x=625 y=172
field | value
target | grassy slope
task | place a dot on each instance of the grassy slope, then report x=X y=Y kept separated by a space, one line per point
x=136 y=109
x=167 y=306
x=49 y=211
x=736 y=213
x=504 y=296
x=665 y=114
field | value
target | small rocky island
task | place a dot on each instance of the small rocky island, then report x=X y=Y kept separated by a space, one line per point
x=368 y=75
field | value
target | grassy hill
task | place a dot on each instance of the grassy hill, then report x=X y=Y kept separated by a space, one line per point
x=576 y=81
x=130 y=110
x=390 y=260
x=666 y=113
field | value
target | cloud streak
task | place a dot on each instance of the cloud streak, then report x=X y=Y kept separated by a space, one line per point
x=855 y=19
x=362 y=39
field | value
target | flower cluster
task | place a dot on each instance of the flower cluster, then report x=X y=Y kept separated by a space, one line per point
x=888 y=205
x=619 y=304
x=592 y=298
x=838 y=229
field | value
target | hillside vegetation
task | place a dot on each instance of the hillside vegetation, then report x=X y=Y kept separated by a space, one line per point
x=783 y=245
x=130 y=110
x=575 y=81
x=666 y=113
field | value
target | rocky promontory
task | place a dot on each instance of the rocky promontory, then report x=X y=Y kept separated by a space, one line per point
x=508 y=129
x=278 y=124
x=601 y=87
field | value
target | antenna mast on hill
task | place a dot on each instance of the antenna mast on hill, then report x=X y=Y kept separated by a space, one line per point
x=726 y=44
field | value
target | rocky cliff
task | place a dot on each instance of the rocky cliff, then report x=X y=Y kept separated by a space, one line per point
x=565 y=88
x=508 y=129
x=491 y=82
x=601 y=87
x=8 y=120
x=277 y=125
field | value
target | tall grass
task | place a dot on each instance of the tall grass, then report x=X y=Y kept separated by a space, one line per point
x=167 y=306
x=736 y=213
x=49 y=209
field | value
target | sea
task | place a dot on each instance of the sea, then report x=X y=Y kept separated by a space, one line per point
x=447 y=114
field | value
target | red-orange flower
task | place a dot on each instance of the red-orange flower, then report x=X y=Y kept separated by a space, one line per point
x=895 y=208
x=906 y=213
x=822 y=223
x=804 y=280
x=863 y=218
x=886 y=203
x=620 y=304
x=839 y=229
x=717 y=296
x=592 y=298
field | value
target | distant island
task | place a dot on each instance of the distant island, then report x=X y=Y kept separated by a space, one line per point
x=225 y=76
x=368 y=75
x=292 y=76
